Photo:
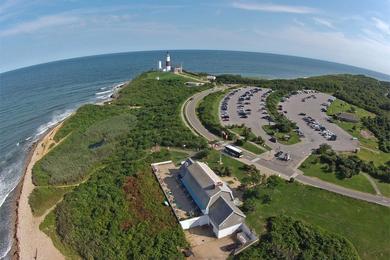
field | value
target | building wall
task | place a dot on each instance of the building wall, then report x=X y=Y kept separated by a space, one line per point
x=195 y=222
x=227 y=231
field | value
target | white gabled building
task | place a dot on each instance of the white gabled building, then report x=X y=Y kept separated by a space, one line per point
x=213 y=197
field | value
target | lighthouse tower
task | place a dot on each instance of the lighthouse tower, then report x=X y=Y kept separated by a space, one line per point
x=168 y=62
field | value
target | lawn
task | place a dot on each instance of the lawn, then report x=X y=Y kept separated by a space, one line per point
x=357 y=182
x=294 y=138
x=369 y=144
x=240 y=131
x=253 y=148
x=383 y=187
x=213 y=161
x=339 y=106
x=43 y=198
x=366 y=225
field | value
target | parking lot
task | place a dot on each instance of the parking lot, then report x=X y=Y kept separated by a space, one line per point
x=246 y=106
x=251 y=101
x=308 y=110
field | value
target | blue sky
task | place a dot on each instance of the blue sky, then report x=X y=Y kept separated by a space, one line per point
x=355 y=32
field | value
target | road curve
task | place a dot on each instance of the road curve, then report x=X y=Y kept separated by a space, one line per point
x=192 y=120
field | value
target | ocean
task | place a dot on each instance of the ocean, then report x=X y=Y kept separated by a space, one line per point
x=33 y=99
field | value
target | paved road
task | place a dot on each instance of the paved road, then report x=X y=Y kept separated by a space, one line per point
x=192 y=118
x=271 y=166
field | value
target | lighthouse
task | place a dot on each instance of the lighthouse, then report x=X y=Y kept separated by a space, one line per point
x=168 y=62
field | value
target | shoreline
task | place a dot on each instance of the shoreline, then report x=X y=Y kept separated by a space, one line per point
x=24 y=188
x=15 y=251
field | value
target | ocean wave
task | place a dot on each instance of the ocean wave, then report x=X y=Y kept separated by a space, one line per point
x=9 y=178
x=104 y=92
x=57 y=117
x=6 y=252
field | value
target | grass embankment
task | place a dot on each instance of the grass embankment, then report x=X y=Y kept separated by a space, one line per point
x=366 y=225
x=283 y=138
x=213 y=160
x=107 y=215
x=283 y=130
x=43 y=198
x=368 y=142
x=256 y=149
x=208 y=113
x=312 y=167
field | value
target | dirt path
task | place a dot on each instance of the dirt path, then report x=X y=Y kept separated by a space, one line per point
x=373 y=184
x=33 y=243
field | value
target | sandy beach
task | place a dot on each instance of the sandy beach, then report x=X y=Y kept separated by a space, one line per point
x=31 y=242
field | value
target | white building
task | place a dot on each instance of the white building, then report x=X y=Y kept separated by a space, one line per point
x=213 y=197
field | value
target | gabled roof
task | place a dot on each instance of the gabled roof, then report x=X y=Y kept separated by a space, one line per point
x=223 y=213
x=201 y=181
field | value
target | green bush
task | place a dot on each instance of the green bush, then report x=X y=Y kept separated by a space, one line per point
x=287 y=238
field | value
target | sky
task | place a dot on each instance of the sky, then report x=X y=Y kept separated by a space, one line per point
x=354 y=32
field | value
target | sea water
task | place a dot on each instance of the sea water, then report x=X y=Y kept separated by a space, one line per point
x=35 y=98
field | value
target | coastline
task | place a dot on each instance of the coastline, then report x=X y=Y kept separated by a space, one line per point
x=30 y=224
x=26 y=180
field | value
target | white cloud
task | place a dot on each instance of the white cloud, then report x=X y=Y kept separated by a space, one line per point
x=38 y=24
x=381 y=25
x=274 y=8
x=324 y=22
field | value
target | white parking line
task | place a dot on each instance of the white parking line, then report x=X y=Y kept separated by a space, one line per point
x=255 y=160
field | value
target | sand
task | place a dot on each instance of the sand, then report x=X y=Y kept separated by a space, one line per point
x=32 y=242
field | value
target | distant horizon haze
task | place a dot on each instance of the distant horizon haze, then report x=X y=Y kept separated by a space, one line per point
x=385 y=76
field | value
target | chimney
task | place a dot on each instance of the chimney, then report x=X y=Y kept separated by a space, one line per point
x=218 y=184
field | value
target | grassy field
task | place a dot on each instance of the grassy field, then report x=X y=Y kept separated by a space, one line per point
x=294 y=138
x=339 y=106
x=383 y=187
x=213 y=161
x=368 y=143
x=358 y=182
x=253 y=148
x=43 y=198
x=366 y=225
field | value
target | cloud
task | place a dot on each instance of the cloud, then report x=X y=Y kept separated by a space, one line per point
x=274 y=8
x=324 y=22
x=381 y=25
x=38 y=24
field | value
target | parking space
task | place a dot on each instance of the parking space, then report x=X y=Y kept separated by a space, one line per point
x=246 y=106
x=308 y=110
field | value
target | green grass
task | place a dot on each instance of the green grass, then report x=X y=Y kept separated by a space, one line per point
x=372 y=152
x=339 y=106
x=383 y=187
x=294 y=138
x=213 y=161
x=43 y=198
x=240 y=131
x=365 y=224
x=178 y=156
x=357 y=182
x=48 y=226
x=378 y=157
x=253 y=148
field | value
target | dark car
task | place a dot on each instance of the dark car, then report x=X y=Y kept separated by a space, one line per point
x=272 y=139
x=278 y=154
